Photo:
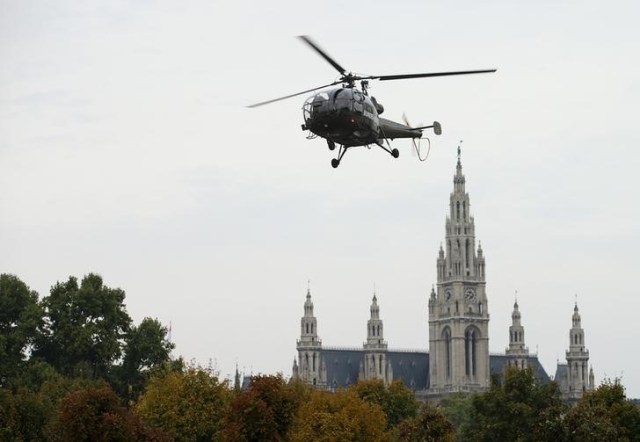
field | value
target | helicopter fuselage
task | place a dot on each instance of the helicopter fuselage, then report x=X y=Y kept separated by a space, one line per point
x=348 y=117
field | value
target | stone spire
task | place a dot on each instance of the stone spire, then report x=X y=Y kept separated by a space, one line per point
x=518 y=353
x=578 y=376
x=375 y=348
x=309 y=347
x=375 y=335
x=458 y=316
x=458 y=261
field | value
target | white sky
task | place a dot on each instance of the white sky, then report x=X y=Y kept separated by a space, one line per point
x=126 y=149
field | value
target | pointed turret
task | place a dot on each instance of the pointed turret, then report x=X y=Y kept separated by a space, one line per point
x=309 y=346
x=236 y=381
x=578 y=376
x=518 y=352
x=375 y=349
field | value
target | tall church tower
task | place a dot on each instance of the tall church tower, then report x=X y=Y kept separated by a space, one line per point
x=376 y=365
x=518 y=352
x=579 y=379
x=458 y=312
x=310 y=368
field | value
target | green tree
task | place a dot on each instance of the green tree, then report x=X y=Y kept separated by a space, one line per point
x=85 y=327
x=146 y=350
x=457 y=408
x=604 y=414
x=20 y=317
x=339 y=416
x=264 y=412
x=429 y=425
x=397 y=401
x=188 y=405
x=519 y=409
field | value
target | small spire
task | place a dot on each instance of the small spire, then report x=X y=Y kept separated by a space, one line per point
x=459 y=152
x=515 y=305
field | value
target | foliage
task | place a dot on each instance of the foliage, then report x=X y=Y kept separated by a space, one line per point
x=397 y=401
x=85 y=326
x=429 y=425
x=520 y=409
x=457 y=408
x=264 y=412
x=339 y=416
x=146 y=351
x=20 y=316
x=188 y=405
x=95 y=414
x=604 y=414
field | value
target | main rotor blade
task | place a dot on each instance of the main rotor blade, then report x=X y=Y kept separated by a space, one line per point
x=322 y=53
x=262 y=103
x=433 y=74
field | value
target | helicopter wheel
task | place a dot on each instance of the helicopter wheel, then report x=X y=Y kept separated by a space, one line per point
x=395 y=153
x=335 y=163
x=331 y=144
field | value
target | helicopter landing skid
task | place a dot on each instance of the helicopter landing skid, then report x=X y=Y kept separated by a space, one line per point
x=336 y=161
x=395 y=153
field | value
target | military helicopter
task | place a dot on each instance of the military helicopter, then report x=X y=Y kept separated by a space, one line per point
x=350 y=117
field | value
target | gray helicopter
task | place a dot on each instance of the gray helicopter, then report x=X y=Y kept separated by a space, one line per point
x=349 y=117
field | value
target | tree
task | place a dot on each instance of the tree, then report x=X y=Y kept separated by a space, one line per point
x=519 y=409
x=457 y=408
x=85 y=327
x=397 y=401
x=188 y=405
x=20 y=316
x=264 y=412
x=604 y=414
x=95 y=414
x=339 y=416
x=429 y=425
x=146 y=349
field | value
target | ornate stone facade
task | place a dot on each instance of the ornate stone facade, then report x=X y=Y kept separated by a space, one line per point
x=458 y=311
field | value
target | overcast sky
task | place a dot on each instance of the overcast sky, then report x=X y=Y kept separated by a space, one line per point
x=126 y=149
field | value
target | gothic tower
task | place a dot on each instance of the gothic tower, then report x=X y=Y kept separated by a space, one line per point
x=310 y=368
x=518 y=353
x=579 y=379
x=376 y=365
x=458 y=312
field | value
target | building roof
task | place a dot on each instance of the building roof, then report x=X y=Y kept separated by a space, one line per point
x=412 y=367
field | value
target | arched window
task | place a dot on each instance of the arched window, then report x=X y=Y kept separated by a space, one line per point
x=470 y=350
x=312 y=327
x=458 y=210
x=314 y=362
x=480 y=308
x=467 y=249
x=446 y=337
x=464 y=210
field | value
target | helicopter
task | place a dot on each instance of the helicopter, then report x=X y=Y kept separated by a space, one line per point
x=349 y=117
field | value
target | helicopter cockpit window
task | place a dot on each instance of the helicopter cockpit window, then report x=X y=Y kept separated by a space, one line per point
x=342 y=99
x=315 y=104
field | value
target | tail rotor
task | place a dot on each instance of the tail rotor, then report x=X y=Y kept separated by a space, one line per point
x=416 y=145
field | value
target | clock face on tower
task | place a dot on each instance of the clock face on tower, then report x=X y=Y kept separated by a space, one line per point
x=469 y=295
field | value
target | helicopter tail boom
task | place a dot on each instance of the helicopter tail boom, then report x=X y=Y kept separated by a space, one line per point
x=391 y=129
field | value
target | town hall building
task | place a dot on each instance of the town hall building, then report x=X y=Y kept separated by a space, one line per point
x=458 y=359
